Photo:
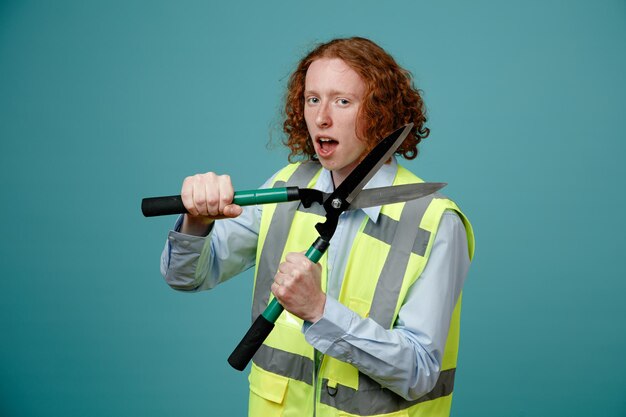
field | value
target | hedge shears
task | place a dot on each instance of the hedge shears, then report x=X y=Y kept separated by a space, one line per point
x=349 y=195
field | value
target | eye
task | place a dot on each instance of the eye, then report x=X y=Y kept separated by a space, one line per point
x=343 y=102
x=312 y=100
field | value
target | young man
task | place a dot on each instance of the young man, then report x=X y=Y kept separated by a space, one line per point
x=373 y=328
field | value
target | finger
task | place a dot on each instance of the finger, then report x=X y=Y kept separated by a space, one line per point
x=212 y=195
x=226 y=192
x=299 y=260
x=199 y=195
x=276 y=290
x=283 y=275
x=232 y=210
x=286 y=270
x=186 y=195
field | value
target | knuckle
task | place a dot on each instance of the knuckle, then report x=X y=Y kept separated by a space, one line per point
x=198 y=199
x=279 y=293
x=212 y=200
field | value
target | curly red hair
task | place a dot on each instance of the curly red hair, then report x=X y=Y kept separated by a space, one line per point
x=390 y=99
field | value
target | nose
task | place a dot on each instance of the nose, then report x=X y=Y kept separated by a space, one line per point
x=323 y=118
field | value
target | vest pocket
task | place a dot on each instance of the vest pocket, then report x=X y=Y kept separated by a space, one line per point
x=267 y=392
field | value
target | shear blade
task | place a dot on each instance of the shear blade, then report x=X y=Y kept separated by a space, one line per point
x=373 y=197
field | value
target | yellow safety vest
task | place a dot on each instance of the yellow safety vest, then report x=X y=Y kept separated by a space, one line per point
x=387 y=257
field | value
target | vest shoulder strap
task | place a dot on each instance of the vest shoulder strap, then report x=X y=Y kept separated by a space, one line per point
x=298 y=175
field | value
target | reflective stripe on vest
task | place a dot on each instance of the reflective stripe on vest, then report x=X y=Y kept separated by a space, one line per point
x=287 y=355
x=369 y=399
x=405 y=235
x=372 y=399
x=280 y=225
x=284 y=363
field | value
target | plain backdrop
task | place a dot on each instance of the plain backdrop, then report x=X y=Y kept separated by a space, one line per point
x=103 y=103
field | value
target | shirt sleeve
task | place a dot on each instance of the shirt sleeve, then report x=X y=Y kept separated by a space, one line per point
x=406 y=359
x=195 y=263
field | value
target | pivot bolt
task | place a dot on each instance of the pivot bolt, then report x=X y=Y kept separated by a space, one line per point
x=336 y=203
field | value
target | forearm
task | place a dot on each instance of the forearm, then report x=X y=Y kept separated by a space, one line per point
x=192 y=263
x=406 y=359
x=394 y=358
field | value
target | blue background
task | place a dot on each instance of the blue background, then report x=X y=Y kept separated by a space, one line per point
x=103 y=103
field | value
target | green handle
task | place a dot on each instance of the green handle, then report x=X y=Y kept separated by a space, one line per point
x=265 y=196
x=272 y=311
x=314 y=254
x=173 y=204
x=263 y=325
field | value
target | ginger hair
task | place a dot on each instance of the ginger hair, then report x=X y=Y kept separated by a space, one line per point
x=390 y=100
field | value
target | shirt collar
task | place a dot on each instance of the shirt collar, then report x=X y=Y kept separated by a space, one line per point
x=383 y=178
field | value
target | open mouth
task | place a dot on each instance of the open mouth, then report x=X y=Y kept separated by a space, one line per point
x=326 y=145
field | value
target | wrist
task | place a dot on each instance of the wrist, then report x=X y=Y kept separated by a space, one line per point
x=196 y=225
x=318 y=312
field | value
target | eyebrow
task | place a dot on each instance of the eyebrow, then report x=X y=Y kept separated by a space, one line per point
x=332 y=93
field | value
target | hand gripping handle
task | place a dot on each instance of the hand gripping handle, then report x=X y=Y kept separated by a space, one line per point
x=173 y=204
x=263 y=325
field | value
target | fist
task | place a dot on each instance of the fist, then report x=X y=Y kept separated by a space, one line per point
x=297 y=287
x=207 y=197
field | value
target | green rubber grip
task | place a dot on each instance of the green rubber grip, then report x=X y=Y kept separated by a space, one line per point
x=264 y=196
x=264 y=324
x=272 y=311
x=314 y=254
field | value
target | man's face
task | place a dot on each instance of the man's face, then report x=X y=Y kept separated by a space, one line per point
x=333 y=94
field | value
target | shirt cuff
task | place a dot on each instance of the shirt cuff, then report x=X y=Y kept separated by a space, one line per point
x=182 y=244
x=332 y=327
x=179 y=264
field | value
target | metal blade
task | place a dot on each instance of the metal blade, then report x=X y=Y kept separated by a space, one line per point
x=373 y=197
x=373 y=161
x=341 y=198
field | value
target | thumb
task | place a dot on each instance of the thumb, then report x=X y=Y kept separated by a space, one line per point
x=232 y=210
